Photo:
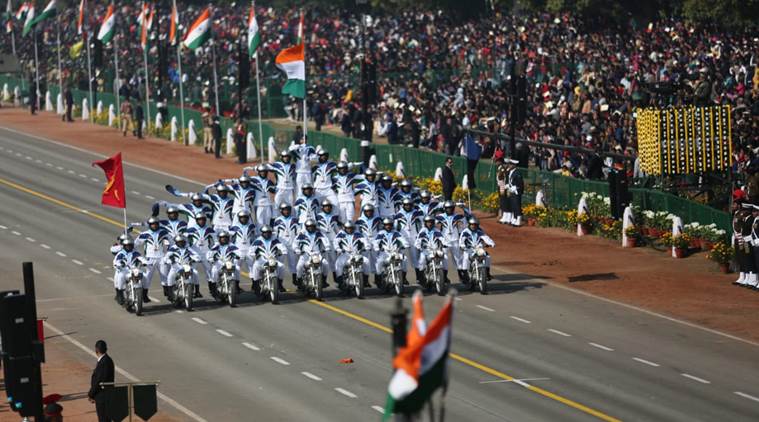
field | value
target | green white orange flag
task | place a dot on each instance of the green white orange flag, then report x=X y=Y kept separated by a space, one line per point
x=292 y=62
x=254 y=35
x=173 y=19
x=200 y=31
x=29 y=23
x=22 y=10
x=80 y=20
x=48 y=12
x=108 y=27
x=145 y=21
x=421 y=367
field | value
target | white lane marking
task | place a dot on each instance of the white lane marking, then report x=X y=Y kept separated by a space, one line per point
x=173 y=403
x=94 y=179
x=224 y=333
x=179 y=311
x=71 y=172
x=312 y=376
x=110 y=278
x=152 y=299
x=345 y=392
x=135 y=192
x=747 y=396
x=61 y=254
x=77 y=262
x=199 y=321
x=646 y=362
x=38 y=161
x=49 y=164
x=515 y=380
x=485 y=308
x=44 y=246
x=30 y=239
x=151 y=197
x=96 y=271
x=16 y=233
x=251 y=346
x=18 y=154
x=3 y=227
x=279 y=360
x=458 y=298
x=82 y=175
x=379 y=409
x=520 y=319
x=695 y=378
x=561 y=333
x=28 y=157
x=59 y=168
x=601 y=346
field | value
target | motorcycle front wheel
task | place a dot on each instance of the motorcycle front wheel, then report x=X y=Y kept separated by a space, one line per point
x=274 y=291
x=358 y=284
x=232 y=294
x=137 y=301
x=188 y=296
x=318 y=287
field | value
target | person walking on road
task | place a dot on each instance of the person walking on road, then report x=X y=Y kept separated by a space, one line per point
x=216 y=132
x=126 y=116
x=68 y=98
x=449 y=180
x=139 y=117
x=104 y=372
x=208 y=119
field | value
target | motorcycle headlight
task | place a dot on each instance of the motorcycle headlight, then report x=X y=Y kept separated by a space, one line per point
x=439 y=253
x=186 y=268
x=272 y=262
x=358 y=260
x=480 y=252
x=316 y=259
x=135 y=272
x=228 y=265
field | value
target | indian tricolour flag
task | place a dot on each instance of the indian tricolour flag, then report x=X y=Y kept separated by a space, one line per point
x=200 y=31
x=22 y=10
x=48 y=12
x=254 y=35
x=420 y=366
x=292 y=62
x=80 y=20
x=29 y=22
x=173 y=19
x=108 y=27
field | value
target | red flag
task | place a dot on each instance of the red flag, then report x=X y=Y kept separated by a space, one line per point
x=113 y=194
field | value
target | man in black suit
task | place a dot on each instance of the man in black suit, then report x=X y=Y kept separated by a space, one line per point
x=139 y=117
x=515 y=190
x=104 y=372
x=68 y=99
x=448 y=180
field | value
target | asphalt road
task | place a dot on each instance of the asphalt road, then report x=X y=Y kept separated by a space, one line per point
x=574 y=357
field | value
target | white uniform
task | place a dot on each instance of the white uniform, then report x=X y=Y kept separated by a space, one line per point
x=264 y=249
x=424 y=239
x=303 y=154
x=387 y=200
x=155 y=243
x=346 y=195
x=369 y=227
x=178 y=256
x=471 y=239
x=385 y=241
x=201 y=239
x=121 y=264
x=220 y=253
x=242 y=235
x=451 y=228
x=306 y=207
x=285 y=175
x=262 y=202
x=368 y=191
x=286 y=230
x=307 y=243
x=324 y=174
x=409 y=223
x=346 y=245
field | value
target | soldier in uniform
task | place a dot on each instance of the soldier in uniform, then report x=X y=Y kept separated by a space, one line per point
x=744 y=245
x=503 y=198
x=514 y=190
x=753 y=245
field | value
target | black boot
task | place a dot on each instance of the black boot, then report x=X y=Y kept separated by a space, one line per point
x=378 y=280
x=237 y=286
x=212 y=290
x=420 y=277
x=280 y=286
x=366 y=280
x=445 y=276
x=462 y=277
x=334 y=278
x=116 y=298
x=324 y=282
x=120 y=297
x=166 y=291
x=487 y=273
x=296 y=282
x=197 y=294
x=405 y=280
x=145 y=297
x=170 y=293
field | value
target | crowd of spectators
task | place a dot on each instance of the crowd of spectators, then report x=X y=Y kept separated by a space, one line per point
x=438 y=75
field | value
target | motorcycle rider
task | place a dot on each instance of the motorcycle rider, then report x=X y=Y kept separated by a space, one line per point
x=286 y=229
x=155 y=240
x=348 y=242
x=328 y=223
x=178 y=255
x=367 y=188
x=264 y=188
x=303 y=154
x=428 y=205
x=324 y=173
x=222 y=205
x=173 y=225
x=189 y=209
x=451 y=225
x=408 y=191
x=388 y=197
x=126 y=258
x=385 y=240
x=346 y=194
x=408 y=220
x=115 y=249
x=222 y=251
x=472 y=237
x=307 y=204
x=265 y=245
x=243 y=232
x=368 y=224
x=284 y=173
x=201 y=238
x=307 y=242
x=243 y=192
x=428 y=237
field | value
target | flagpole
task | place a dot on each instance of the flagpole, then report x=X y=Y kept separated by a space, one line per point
x=89 y=74
x=305 y=63
x=260 y=124
x=181 y=88
x=215 y=78
x=13 y=37
x=118 y=81
x=60 y=72
x=125 y=219
x=36 y=70
x=147 y=83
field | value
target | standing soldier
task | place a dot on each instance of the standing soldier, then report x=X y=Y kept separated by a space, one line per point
x=752 y=247
x=503 y=197
x=743 y=222
x=126 y=116
x=515 y=189
x=139 y=117
x=207 y=124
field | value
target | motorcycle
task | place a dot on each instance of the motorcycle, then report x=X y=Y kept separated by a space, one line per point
x=133 y=291
x=392 y=275
x=477 y=271
x=228 y=284
x=353 y=275
x=183 y=289
x=270 y=285
x=313 y=277
x=433 y=270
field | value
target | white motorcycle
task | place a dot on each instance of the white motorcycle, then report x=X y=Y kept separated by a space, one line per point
x=353 y=275
x=477 y=270
x=133 y=291
x=270 y=285
x=313 y=278
x=433 y=270
x=228 y=284
x=392 y=274
x=183 y=289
